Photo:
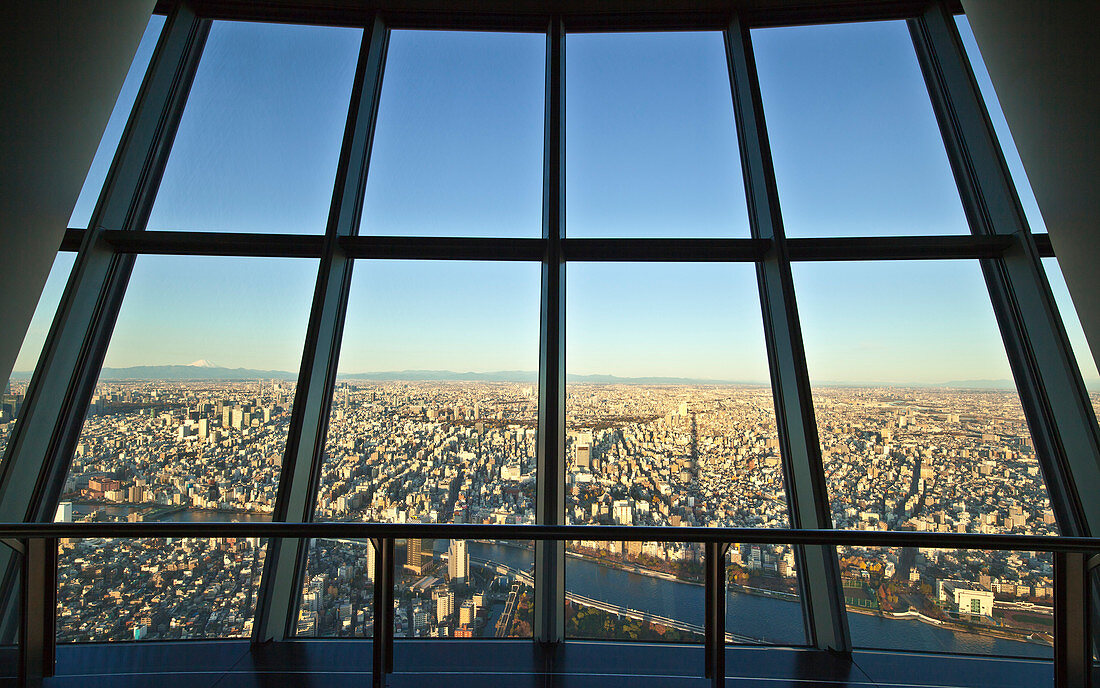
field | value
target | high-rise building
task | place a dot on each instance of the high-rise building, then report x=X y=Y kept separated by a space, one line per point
x=444 y=604
x=415 y=556
x=458 y=562
x=64 y=513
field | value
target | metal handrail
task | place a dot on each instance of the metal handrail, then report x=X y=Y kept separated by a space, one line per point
x=456 y=531
x=38 y=544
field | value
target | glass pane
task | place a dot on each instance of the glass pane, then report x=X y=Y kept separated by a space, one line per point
x=188 y=422
x=458 y=144
x=433 y=420
x=947 y=600
x=643 y=591
x=11 y=402
x=920 y=422
x=104 y=155
x=464 y=589
x=855 y=143
x=670 y=414
x=651 y=141
x=1076 y=333
x=259 y=142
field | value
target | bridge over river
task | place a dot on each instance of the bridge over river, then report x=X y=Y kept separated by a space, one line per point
x=618 y=610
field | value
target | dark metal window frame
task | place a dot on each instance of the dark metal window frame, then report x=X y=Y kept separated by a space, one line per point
x=1056 y=405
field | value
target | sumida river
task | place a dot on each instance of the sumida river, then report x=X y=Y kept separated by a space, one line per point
x=767 y=619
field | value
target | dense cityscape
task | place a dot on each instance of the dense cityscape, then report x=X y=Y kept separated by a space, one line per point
x=416 y=451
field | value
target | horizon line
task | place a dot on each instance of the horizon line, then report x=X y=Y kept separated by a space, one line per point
x=985 y=383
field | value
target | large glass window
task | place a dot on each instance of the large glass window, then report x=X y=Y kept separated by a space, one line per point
x=188 y=422
x=670 y=417
x=258 y=145
x=854 y=140
x=651 y=143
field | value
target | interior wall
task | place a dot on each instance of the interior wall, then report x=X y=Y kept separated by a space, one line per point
x=61 y=69
x=1044 y=61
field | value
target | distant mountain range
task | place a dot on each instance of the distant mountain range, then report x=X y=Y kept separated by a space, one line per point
x=206 y=370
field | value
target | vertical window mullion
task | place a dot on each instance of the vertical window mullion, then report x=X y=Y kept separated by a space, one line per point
x=550 y=486
x=808 y=500
x=276 y=609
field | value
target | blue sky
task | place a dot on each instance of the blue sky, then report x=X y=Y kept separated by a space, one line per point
x=651 y=150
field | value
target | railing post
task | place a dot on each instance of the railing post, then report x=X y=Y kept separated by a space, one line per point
x=715 y=622
x=38 y=611
x=383 y=610
x=1072 y=640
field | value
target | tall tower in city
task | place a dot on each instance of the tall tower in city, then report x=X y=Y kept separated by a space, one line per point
x=458 y=562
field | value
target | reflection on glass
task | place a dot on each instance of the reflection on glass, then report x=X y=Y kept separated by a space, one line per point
x=259 y=142
x=11 y=401
x=948 y=600
x=1076 y=333
x=458 y=144
x=921 y=428
x=651 y=141
x=188 y=422
x=641 y=591
x=105 y=153
x=763 y=601
x=434 y=420
x=855 y=143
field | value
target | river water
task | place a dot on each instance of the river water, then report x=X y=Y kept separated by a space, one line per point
x=766 y=619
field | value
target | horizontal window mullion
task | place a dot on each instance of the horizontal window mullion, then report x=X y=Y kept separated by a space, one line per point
x=897 y=248
x=615 y=250
x=662 y=250
x=215 y=244
x=443 y=248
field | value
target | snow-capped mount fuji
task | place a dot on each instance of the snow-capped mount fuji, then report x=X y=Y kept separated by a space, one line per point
x=203 y=363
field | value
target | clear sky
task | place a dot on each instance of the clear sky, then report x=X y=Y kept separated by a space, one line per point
x=651 y=150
